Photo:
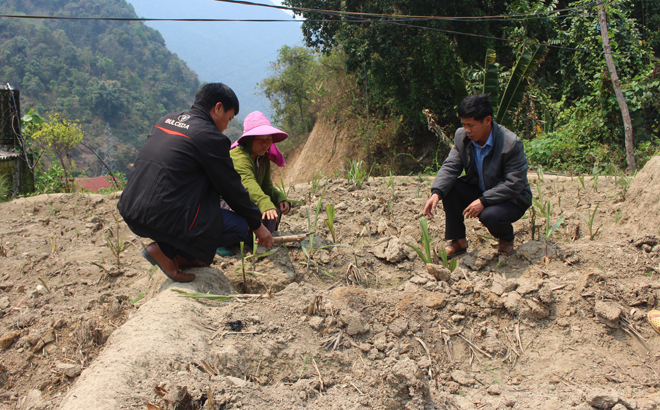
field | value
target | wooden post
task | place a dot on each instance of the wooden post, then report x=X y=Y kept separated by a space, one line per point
x=630 y=150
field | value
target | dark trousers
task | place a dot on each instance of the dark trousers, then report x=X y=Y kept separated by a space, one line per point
x=234 y=230
x=497 y=217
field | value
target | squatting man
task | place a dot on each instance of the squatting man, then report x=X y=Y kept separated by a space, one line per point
x=494 y=187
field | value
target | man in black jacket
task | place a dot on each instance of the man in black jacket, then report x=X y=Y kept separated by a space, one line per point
x=181 y=173
x=494 y=187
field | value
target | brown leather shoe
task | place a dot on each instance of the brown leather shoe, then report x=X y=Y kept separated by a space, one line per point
x=454 y=248
x=169 y=267
x=504 y=247
x=183 y=263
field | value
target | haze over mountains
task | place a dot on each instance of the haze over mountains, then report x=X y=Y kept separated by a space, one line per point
x=235 y=53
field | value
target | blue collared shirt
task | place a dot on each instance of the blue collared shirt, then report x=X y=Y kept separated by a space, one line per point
x=479 y=155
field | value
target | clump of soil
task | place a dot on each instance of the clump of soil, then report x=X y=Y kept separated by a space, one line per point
x=365 y=326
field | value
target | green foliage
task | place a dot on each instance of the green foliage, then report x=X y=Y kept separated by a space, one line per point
x=292 y=91
x=116 y=243
x=4 y=188
x=357 y=173
x=330 y=222
x=93 y=71
x=424 y=255
x=59 y=136
x=590 y=222
x=449 y=264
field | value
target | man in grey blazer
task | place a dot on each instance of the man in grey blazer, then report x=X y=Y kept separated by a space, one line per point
x=494 y=187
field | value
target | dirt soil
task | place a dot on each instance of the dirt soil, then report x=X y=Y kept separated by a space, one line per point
x=365 y=327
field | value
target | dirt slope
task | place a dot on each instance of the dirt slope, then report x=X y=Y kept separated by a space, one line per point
x=515 y=332
x=327 y=149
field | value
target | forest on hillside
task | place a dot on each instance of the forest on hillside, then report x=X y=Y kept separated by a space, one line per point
x=115 y=77
x=381 y=63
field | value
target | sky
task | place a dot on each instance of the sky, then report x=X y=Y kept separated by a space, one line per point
x=235 y=53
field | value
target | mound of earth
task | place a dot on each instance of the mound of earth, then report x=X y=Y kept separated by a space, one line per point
x=556 y=325
x=642 y=209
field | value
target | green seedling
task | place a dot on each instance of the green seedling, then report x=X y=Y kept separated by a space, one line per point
x=532 y=218
x=390 y=185
x=618 y=215
x=425 y=255
x=623 y=183
x=595 y=179
x=539 y=172
x=116 y=244
x=487 y=238
x=357 y=173
x=317 y=177
x=501 y=264
x=330 y=222
x=590 y=222
x=648 y=272
x=546 y=211
x=251 y=260
x=282 y=188
x=451 y=264
x=207 y=296
x=418 y=189
x=581 y=179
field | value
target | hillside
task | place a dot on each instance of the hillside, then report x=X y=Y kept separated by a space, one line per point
x=99 y=72
x=79 y=331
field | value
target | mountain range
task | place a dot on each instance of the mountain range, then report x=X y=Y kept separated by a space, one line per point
x=235 y=53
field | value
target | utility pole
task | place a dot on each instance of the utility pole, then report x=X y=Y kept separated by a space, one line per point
x=630 y=150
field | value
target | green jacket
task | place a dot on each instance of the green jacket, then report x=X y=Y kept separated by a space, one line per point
x=259 y=185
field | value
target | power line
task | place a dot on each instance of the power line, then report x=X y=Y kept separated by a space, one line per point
x=397 y=16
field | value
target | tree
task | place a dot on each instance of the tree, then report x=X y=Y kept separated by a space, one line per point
x=291 y=89
x=60 y=136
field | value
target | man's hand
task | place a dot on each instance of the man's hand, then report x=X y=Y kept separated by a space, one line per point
x=270 y=214
x=264 y=238
x=285 y=207
x=431 y=205
x=474 y=209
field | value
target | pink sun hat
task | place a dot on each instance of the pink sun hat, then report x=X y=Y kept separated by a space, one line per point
x=256 y=123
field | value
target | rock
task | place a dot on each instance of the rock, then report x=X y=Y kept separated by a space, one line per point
x=453 y=387
x=462 y=378
x=316 y=322
x=628 y=403
x=435 y=301
x=395 y=251
x=355 y=324
x=40 y=345
x=464 y=287
x=608 y=313
x=539 y=311
x=398 y=326
x=236 y=381
x=49 y=336
x=494 y=390
x=4 y=302
x=438 y=271
x=491 y=299
x=341 y=206
x=534 y=251
x=510 y=403
x=380 y=341
x=419 y=280
x=485 y=255
x=71 y=370
x=497 y=288
x=528 y=285
x=8 y=338
x=34 y=337
x=34 y=401
x=619 y=406
x=601 y=399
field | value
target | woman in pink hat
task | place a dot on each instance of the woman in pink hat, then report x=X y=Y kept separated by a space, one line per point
x=252 y=154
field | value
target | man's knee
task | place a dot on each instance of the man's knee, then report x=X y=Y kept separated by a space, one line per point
x=492 y=216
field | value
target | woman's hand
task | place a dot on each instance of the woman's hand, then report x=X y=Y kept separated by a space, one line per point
x=285 y=207
x=270 y=214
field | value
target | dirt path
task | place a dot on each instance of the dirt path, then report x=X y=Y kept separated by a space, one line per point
x=80 y=331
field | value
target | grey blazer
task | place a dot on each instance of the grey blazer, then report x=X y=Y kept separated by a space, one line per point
x=504 y=168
